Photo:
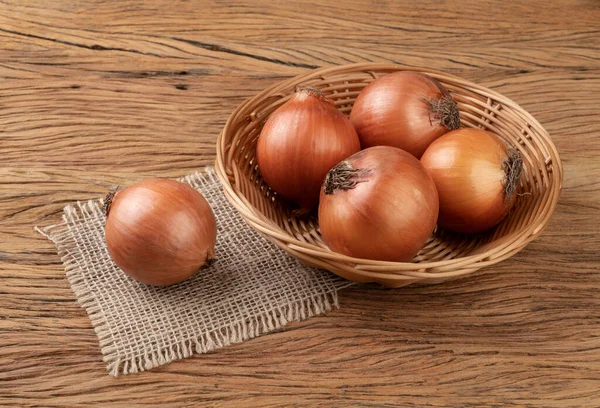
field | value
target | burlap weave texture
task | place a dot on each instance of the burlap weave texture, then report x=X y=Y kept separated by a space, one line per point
x=253 y=288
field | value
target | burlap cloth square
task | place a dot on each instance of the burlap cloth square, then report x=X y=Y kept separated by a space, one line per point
x=253 y=288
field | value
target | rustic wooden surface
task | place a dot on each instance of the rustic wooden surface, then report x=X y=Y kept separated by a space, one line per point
x=95 y=94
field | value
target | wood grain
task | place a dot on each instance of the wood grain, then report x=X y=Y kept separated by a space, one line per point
x=95 y=94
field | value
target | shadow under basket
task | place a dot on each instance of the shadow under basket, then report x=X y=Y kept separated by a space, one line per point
x=445 y=255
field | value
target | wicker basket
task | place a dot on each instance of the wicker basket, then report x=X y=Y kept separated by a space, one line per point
x=446 y=255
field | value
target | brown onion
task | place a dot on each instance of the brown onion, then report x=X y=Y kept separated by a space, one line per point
x=476 y=176
x=300 y=142
x=404 y=109
x=378 y=204
x=160 y=232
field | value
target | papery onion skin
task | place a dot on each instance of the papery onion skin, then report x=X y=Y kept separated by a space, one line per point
x=379 y=204
x=160 y=232
x=300 y=142
x=476 y=176
x=404 y=109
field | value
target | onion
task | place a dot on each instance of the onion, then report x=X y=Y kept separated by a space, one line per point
x=476 y=176
x=404 y=109
x=160 y=232
x=300 y=142
x=379 y=204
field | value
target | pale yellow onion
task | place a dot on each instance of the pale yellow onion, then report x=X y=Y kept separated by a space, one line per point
x=476 y=176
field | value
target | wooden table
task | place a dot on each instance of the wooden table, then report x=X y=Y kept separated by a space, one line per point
x=95 y=94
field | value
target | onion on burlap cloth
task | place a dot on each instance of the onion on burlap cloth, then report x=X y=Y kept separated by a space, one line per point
x=253 y=288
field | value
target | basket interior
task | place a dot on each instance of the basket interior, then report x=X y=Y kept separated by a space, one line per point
x=478 y=108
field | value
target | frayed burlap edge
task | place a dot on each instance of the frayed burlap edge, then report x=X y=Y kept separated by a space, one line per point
x=68 y=251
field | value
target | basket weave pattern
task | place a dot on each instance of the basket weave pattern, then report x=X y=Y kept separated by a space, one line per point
x=446 y=255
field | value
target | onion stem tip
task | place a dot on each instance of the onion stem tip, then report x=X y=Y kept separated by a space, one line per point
x=513 y=167
x=445 y=111
x=108 y=200
x=343 y=176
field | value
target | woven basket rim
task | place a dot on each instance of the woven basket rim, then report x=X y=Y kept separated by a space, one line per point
x=512 y=242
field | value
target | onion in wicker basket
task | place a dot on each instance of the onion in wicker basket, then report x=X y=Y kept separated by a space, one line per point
x=446 y=255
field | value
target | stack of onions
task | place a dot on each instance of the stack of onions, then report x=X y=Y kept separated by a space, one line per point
x=382 y=203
